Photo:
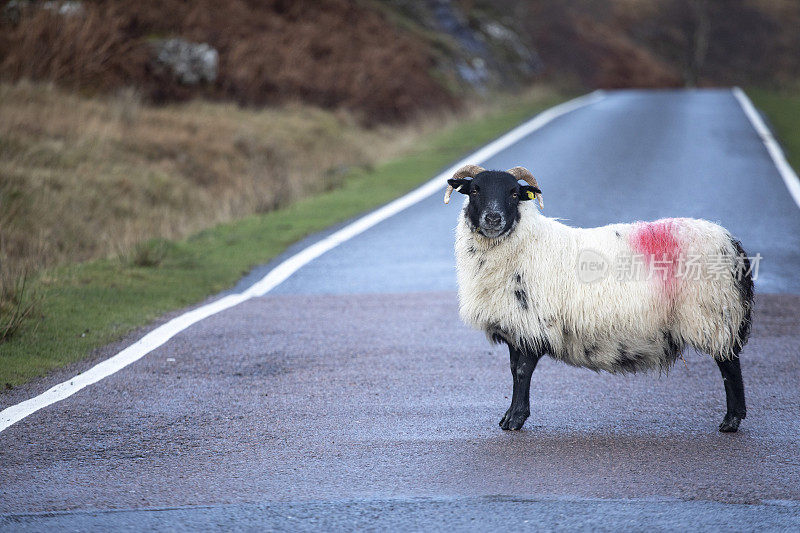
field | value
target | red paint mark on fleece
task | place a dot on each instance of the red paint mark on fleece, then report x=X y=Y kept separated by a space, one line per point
x=658 y=243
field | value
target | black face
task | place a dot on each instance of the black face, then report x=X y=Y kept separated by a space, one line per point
x=494 y=198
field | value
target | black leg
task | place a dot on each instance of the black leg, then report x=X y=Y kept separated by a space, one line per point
x=522 y=367
x=734 y=394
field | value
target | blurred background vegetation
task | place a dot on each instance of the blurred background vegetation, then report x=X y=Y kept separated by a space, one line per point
x=124 y=122
x=387 y=60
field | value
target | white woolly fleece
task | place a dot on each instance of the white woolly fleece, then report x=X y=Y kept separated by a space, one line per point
x=524 y=288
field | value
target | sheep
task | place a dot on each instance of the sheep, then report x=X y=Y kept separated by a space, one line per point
x=543 y=287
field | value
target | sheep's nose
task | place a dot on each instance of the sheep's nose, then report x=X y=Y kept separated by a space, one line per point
x=492 y=219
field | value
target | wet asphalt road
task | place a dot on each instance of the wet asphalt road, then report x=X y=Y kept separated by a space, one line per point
x=353 y=396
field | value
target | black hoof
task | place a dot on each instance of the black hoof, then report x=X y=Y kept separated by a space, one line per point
x=730 y=424
x=514 y=420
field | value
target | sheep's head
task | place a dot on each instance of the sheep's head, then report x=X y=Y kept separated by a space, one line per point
x=494 y=196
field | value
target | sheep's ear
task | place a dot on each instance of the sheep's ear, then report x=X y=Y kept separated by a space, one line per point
x=461 y=184
x=528 y=192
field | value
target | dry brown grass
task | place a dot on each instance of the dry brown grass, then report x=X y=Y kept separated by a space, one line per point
x=331 y=53
x=84 y=178
x=17 y=302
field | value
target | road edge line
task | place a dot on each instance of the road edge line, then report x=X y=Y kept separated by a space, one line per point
x=152 y=340
x=774 y=149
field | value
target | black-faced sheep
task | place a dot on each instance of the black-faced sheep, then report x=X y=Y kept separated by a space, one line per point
x=543 y=287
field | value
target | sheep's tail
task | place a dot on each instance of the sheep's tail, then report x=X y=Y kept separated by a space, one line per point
x=743 y=280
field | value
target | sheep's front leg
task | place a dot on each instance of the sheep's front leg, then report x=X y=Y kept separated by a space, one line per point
x=522 y=365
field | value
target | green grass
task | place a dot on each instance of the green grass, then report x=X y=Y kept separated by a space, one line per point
x=783 y=110
x=89 y=305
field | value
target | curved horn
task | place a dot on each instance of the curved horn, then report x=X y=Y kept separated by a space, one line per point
x=522 y=173
x=467 y=171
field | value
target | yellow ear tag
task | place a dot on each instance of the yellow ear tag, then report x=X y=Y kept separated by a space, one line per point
x=531 y=195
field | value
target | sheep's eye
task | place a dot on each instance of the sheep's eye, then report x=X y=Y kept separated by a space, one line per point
x=474 y=192
x=514 y=194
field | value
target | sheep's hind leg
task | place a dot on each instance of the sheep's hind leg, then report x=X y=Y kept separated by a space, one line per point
x=734 y=394
x=522 y=367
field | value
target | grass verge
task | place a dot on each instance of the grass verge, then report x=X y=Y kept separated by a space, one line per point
x=85 y=178
x=783 y=110
x=88 y=305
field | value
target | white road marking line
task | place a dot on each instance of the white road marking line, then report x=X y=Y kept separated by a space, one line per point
x=280 y=273
x=775 y=152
